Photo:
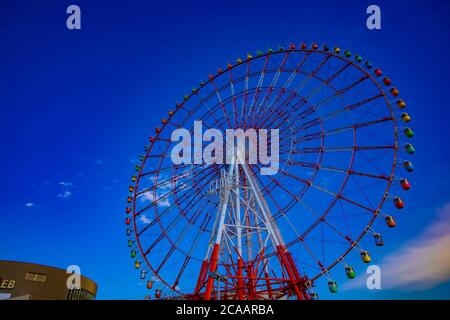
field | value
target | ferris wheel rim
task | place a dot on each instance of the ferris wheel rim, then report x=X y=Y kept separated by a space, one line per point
x=360 y=236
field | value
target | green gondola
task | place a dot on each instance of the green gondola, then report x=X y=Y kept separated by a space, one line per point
x=410 y=148
x=408 y=132
x=350 y=272
x=332 y=285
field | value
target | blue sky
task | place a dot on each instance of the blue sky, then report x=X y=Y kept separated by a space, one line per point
x=77 y=107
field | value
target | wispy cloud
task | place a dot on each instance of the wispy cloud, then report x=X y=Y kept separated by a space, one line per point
x=99 y=162
x=29 y=204
x=66 y=184
x=422 y=263
x=65 y=195
x=160 y=201
x=144 y=219
x=161 y=198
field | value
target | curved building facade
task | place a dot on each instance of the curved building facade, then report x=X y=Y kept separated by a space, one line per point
x=30 y=281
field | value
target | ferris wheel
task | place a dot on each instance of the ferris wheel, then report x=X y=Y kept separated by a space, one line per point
x=229 y=231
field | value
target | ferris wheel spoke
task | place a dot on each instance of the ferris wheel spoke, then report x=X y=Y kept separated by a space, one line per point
x=339 y=233
x=187 y=256
x=194 y=196
x=295 y=72
x=372 y=136
x=338 y=72
x=328 y=241
x=267 y=107
x=233 y=97
x=311 y=254
x=338 y=93
x=346 y=219
x=221 y=104
x=323 y=83
x=335 y=169
x=197 y=214
x=318 y=134
x=314 y=74
x=163 y=169
x=334 y=194
x=372 y=164
x=190 y=194
x=284 y=89
x=361 y=190
x=276 y=183
x=201 y=212
x=166 y=181
x=186 y=261
x=157 y=219
x=245 y=94
x=163 y=235
x=351 y=107
x=340 y=149
x=163 y=262
x=259 y=85
x=338 y=112
x=209 y=110
x=309 y=76
x=282 y=110
x=164 y=197
x=271 y=87
x=321 y=219
x=153 y=204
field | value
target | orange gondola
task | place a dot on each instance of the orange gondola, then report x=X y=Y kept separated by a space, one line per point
x=390 y=221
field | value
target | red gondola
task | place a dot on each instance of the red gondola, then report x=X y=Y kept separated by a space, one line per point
x=405 y=184
x=399 y=204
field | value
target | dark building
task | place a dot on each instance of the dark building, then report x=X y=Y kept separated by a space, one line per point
x=29 y=281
